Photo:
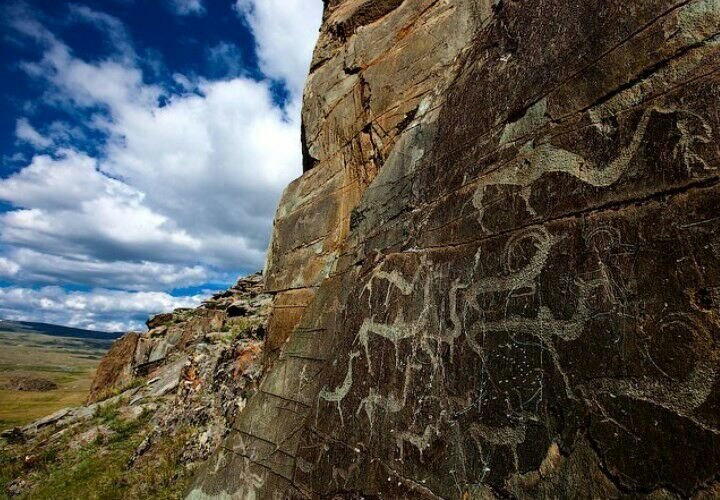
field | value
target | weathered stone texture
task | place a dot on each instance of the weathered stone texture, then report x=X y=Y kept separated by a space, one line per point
x=508 y=244
x=116 y=367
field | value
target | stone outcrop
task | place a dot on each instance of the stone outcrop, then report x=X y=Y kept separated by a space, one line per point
x=183 y=381
x=499 y=273
x=30 y=384
x=115 y=369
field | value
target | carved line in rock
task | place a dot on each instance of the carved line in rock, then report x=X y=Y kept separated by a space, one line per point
x=680 y=396
x=339 y=393
x=536 y=161
x=400 y=330
x=496 y=436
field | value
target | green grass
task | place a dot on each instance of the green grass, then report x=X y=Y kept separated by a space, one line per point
x=100 y=470
x=236 y=328
x=97 y=471
x=116 y=391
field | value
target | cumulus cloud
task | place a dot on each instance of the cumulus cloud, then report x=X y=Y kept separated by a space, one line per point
x=23 y=265
x=184 y=188
x=177 y=177
x=285 y=33
x=98 y=309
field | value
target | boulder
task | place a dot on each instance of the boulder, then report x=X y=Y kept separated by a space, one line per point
x=30 y=384
x=159 y=320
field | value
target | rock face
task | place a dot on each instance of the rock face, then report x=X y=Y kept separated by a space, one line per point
x=116 y=368
x=499 y=275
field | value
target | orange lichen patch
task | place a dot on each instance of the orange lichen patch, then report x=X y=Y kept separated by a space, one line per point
x=190 y=377
x=247 y=357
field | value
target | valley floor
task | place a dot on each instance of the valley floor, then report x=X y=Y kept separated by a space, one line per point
x=69 y=363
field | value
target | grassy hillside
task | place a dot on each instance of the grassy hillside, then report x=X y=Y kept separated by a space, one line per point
x=66 y=356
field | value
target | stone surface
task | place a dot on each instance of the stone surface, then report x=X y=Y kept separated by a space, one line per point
x=116 y=367
x=507 y=254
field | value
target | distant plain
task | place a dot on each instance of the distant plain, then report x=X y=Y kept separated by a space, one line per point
x=65 y=356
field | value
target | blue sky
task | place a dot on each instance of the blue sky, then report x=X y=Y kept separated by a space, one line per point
x=144 y=147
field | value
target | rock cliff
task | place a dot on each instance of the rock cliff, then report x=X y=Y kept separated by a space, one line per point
x=499 y=275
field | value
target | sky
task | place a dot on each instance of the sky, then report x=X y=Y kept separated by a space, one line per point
x=144 y=145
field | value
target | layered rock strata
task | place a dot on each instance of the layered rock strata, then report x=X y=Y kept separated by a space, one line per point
x=499 y=275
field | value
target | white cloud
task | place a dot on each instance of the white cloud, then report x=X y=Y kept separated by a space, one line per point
x=27 y=133
x=176 y=178
x=116 y=84
x=8 y=268
x=185 y=186
x=55 y=183
x=29 y=266
x=109 y=310
x=188 y=7
x=285 y=33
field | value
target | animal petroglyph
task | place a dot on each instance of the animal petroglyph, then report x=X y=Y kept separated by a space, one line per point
x=394 y=278
x=339 y=393
x=484 y=435
x=536 y=161
x=419 y=441
x=395 y=332
x=680 y=396
x=693 y=129
x=518 y=277
x=389 y=403
x=545 y=325
x=249 y=482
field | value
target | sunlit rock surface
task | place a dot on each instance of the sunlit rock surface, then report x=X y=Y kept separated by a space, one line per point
x=499 y=274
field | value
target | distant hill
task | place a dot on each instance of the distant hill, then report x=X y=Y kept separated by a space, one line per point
x=56 y=330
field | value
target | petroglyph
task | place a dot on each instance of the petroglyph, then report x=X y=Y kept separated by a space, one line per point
x=248 y=484
x=693 y=129
x=461 y=351
x=420 y=441
x=395 y=332
x=394 y=278
x=339 y=393
x=518 y=277
x=390 y=403
x=545 y=325
x=534 y=162
x=534 y=118
x=680 y=396
x=497 y=436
